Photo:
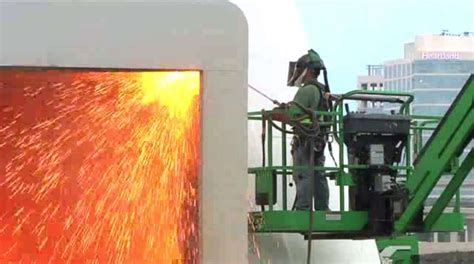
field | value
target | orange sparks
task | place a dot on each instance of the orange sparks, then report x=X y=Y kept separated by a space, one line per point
x=99 y=166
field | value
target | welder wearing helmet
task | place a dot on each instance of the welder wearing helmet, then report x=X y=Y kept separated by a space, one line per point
x=311 y=94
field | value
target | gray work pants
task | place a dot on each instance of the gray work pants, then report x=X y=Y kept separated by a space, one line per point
x=302 y=177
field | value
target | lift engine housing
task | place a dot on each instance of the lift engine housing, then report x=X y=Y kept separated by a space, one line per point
x=377 y=140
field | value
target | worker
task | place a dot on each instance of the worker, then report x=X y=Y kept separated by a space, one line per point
x=311 y=94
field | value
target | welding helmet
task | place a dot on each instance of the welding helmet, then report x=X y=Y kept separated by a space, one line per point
x=297 y=69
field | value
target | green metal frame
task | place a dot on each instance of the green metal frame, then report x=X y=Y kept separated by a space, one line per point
x=343 y=177
x=297 y=221
x=433 y=158
x=451 y=189
x=399 y=249
x=443 y=146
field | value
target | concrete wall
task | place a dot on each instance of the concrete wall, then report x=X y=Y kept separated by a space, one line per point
x=209 y=36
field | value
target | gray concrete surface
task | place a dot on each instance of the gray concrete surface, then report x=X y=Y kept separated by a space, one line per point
x=453 y=257
x=442 y=253
x=433 y=248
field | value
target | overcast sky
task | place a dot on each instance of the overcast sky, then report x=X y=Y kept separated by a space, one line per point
x=351 y=34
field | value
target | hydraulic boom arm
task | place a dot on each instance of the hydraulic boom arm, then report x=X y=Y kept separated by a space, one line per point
x=448 y=140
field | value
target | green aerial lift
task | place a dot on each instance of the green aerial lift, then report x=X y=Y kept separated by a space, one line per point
x=386 y=188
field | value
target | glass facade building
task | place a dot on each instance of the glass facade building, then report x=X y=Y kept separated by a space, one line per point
x=436 y=83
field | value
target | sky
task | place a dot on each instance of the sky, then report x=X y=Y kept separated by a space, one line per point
x=351 y=34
